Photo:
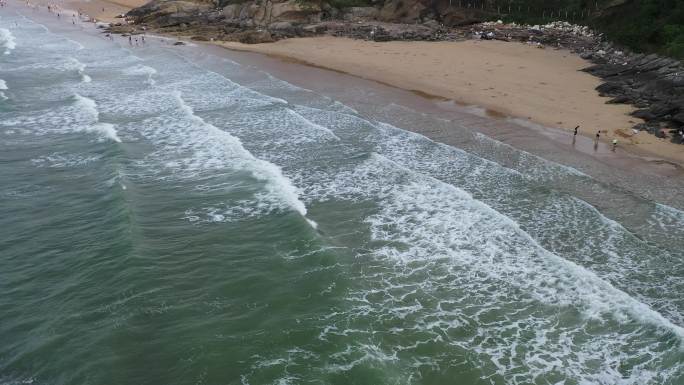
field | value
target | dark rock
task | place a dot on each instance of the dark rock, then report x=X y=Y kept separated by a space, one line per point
x=255 y=37
x=679 y=118
x=644 y=114
x=611 y=89
x=619 y=100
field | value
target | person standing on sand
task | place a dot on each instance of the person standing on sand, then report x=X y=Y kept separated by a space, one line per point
x=596 y=140
x=614 y=145
x=576 y=128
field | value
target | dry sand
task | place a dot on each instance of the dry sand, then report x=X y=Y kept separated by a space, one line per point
x=518 y=80
x=101 y=10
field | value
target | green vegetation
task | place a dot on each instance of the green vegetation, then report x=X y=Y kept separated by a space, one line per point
x=646 y=25
x=642 y=25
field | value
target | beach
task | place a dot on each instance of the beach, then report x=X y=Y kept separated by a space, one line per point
x=544 y=86
x=106 y=11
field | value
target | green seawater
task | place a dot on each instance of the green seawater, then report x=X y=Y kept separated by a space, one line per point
x=164 y=222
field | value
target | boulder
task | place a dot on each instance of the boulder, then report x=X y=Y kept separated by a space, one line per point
x=281 y=26
x=232 y=11
x=679 y=118
x=168 y=12
x=293 y=11
x=610 y=89
x=255 y=37
x=360 y=13
x=644 y=114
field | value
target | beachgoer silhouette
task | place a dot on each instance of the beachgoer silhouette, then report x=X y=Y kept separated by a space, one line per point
x=614 y=145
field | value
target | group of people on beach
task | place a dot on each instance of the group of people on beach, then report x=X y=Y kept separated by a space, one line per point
x=56 y=9
x=131 y=39
x=613 y=143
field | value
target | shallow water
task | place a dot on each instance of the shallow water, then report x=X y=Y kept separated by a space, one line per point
x=167 y=223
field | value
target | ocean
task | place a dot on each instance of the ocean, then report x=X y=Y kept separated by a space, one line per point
x=169 y=216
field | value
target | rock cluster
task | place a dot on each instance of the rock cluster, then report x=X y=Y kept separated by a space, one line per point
x=380 y=31
x=652 y=83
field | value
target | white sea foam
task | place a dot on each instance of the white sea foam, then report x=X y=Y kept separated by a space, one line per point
x=7 y=40
x=105 y=129
x=58 y=160
x=89 y=107
x=453 y=247
x=276 y=183
x=3 y=85
x=74 y=64
x=572 y=282
x=312 y=124
x=141 y=70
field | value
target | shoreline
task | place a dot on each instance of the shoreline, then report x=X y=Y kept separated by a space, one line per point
x=584 y=106
x=547 y=142
x=475 y=83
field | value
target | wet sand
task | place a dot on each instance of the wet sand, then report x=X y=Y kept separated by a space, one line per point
x=631 y=171
x=543 y=86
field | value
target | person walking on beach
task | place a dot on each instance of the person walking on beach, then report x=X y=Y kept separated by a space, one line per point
x=614 y=145
x=576 y=128
x=596 y=140
x=130 y=40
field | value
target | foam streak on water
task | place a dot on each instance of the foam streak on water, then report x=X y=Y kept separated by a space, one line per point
x=277 y=184
x=7 y=40
x=89 y=107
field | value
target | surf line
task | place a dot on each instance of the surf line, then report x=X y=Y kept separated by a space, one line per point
x=89 y=106
x=276 y=182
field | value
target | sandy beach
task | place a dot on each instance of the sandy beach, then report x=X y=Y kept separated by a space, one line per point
x=100 y=10
x=544 y=86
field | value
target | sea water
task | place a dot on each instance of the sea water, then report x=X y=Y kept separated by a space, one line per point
x=164 y=223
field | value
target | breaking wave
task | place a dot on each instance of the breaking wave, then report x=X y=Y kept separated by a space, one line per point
x=7 y=40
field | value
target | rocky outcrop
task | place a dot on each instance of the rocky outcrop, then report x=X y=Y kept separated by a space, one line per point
x=652 y=83
x=355 y=14
x=265 y=13
x=169 y=12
